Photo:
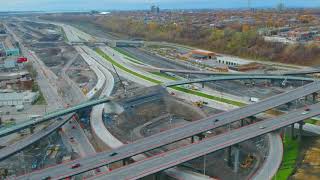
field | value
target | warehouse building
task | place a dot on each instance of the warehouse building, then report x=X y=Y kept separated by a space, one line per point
x=203 y=54
x=15 y=98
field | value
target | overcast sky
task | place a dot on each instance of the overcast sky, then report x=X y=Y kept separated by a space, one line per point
x=60 y=5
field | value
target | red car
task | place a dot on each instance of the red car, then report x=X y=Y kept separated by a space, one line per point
x=75 y=165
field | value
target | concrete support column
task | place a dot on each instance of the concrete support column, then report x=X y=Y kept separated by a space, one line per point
x=242 y=122
x=306 y=98
x=201 y=136
x=157 y=176
x=289 y=105
x=125 y=161
x=236 y=159
x=32 y=129
x=229 y=156
x=300 y=130
x=192 y=139
x=272 y=81
x=203 y=85
x=292 y=131
x=314 y=97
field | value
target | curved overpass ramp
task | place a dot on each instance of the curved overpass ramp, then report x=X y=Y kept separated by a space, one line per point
x=243 y=77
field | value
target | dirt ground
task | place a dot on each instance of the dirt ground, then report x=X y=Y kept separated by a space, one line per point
x=309 y=164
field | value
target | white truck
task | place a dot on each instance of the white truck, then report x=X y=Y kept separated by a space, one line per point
x=254 y=99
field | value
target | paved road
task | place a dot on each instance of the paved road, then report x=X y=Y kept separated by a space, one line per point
x=176 y=134
x=184 y=154
x=273 y=159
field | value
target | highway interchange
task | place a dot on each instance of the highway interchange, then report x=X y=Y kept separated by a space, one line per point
x=173 y=135
x=138 y=147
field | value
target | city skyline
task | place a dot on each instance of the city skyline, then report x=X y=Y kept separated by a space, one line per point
x=84 y=5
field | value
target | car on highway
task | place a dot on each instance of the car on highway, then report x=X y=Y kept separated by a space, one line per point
x=74 y=166
x=74 y=127
x=306 y=111
x=71 y=139
x=113 y=154
x=262 y=127
x=46 y=178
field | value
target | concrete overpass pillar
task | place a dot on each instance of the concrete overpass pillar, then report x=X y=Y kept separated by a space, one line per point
x=201 y=136
x=236 y=159
x=300 y=130
x=203 y=85
x=192 y=139
x=272 y=81
x=125 y=161
x=229 y=156
x=314 y=97
x=292 y=132
x=288 y=105
x=242 y=122
x=306 y=98
x=157 y=176
x=32 y=129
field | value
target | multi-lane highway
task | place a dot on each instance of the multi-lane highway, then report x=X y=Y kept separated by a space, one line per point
x=176 y=134
x=184 y=154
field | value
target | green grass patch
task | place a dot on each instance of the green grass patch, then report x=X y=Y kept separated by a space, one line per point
x=105 y=56
x=290 y=156
x=165 y=76
x=41 y=100
x=311 y=121
x=198 y=93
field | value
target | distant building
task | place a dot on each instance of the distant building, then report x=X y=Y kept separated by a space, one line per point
x=14 y=98
x=232 y=61
x=202 y=54
x=155 y=9
x=280 y=7
x=13 y=52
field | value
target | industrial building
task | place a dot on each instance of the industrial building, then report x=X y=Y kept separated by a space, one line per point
x=202 y=54
x=7 y=48
x=232 y=61
x=8 y=98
